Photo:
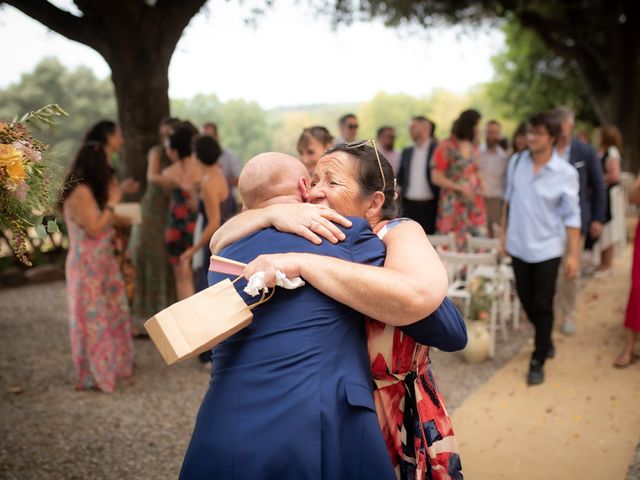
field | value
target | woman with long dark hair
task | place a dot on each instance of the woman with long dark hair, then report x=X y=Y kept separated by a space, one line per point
x=99 y=313
x=461 y=208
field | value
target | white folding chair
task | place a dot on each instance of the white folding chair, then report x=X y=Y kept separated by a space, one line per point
x=509 y=303
x=443 y=240
x=461 y=268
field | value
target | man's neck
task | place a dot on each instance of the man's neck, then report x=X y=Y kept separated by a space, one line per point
x=422 y=143
x=541 y=157
x=563 y=143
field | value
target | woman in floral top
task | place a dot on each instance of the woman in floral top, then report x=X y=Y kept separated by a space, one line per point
x=461 y=207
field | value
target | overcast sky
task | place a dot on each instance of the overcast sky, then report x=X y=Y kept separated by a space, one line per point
x=291 y=58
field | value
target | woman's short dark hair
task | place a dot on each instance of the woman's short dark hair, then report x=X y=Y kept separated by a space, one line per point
x=520 y=131
x=550 y=120
x=318 y=132
x=207 y=150
x=180 y=140
x=368 y=175
x=464 y=127
x=91 y=167
x=100 y=132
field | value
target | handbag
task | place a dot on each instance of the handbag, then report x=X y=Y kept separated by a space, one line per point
x=198 y=323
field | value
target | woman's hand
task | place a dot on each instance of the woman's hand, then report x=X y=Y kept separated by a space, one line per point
x=187 y=255
x=287 y=263
x=308 y=221
x=130 y=186
x=468 y=194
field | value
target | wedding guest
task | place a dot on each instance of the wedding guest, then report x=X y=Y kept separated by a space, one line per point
x=107 y=133
x=99 y=313
x=312 y=144
x=541 y=215
x=419 y=193
x=184 y=173
x=584 y=159
x=155 y=287
x=348 y=127
x=386 y=138
x=492 y=164
x=519 y=140
x=461 y=208
x=231 y=166
x=212 y=193
x=632 y=318
x=609 y=150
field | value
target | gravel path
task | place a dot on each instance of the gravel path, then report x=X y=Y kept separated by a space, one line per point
x=141 y=431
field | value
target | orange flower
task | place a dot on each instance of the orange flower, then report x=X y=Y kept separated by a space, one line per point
x=11 y=159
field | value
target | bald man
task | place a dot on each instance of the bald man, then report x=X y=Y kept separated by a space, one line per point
x=290 y=396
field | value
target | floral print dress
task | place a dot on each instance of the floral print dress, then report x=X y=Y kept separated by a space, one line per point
x=414 y=420
x=99 y=317
x=455 y=213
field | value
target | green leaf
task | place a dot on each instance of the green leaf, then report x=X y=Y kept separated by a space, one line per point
x=41 y=231
x=52 y=226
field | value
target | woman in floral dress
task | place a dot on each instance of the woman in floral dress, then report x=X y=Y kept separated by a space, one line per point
x=461 y=207
x=98 y=309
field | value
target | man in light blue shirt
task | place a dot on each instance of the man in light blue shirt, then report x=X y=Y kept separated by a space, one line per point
x=543 y=210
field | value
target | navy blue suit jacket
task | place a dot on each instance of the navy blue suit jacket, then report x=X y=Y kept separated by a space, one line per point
x=593 y=191
x=290 y=396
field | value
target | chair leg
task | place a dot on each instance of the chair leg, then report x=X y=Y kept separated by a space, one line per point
x=492 y=330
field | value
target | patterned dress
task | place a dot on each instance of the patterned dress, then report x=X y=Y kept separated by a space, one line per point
x=99 y=317
x=155 y=287
x=181 y=224
x=455 y=213
x=414 y=420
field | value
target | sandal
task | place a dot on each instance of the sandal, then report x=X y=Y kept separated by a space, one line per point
x=621 y=363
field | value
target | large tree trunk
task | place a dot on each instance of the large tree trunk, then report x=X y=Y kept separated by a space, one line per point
x=143 y=100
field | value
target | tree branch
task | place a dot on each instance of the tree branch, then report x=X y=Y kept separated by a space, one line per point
x=79 y=29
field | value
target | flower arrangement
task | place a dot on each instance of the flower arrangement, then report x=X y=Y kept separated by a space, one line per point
x=28 y=187
x=483 y=294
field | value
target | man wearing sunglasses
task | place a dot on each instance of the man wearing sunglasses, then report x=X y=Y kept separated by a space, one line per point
x=348 y=125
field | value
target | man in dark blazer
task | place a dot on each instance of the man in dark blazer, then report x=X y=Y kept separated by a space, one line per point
x=290 y=395
x=419 y=194
x=592 y=207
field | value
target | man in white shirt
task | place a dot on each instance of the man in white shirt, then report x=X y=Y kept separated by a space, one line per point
x=493 y=163
x=419 y=194
x=386 y=138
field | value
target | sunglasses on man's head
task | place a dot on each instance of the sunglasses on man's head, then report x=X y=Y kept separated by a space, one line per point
x=372 y=143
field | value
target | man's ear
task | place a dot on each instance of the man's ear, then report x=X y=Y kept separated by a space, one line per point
x=303 y=188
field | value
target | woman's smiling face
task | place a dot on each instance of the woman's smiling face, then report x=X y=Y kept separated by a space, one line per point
x=334 y=184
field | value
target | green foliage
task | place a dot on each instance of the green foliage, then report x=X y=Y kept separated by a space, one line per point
x=529 y=78
x=86 y=98
x=243 y=126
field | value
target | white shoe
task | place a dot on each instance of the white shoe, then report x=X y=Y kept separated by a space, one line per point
x=568 y=327
x=608 y=273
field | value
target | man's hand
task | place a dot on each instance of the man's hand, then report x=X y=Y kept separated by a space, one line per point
x=571 y=265
x=308 y=221
x=595 y=230
x=287 y=263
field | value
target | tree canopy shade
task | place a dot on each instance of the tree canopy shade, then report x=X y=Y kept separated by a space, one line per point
x=137 y=39
x=599 y=39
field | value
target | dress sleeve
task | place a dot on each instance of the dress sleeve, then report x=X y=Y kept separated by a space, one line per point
x=440 y=158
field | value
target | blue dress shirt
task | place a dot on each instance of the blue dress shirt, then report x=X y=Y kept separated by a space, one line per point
x=541 y=206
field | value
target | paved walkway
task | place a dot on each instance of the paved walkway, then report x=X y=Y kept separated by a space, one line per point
x=583 y=422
